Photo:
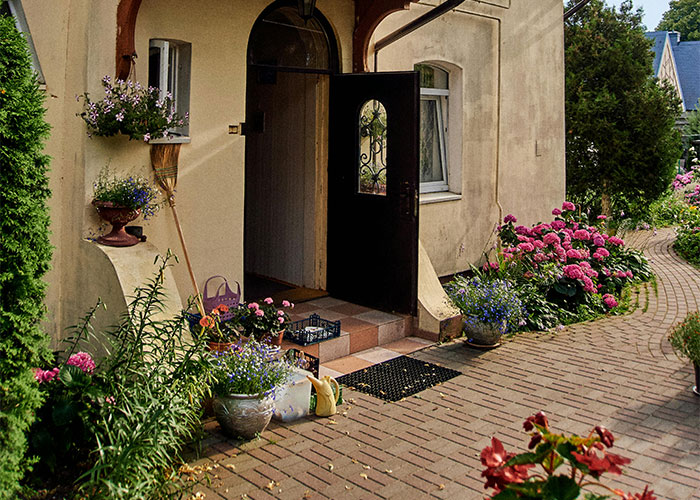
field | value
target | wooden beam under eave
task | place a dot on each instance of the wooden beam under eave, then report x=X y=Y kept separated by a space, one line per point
x=126 y=27
x=368 y=15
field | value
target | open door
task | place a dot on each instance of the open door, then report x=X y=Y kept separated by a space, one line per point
x=373 y=190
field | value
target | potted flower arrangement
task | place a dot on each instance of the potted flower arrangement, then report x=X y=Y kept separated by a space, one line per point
x=264 y=321
x=220 y=335
x=119 y=200
x=685 y=339
x=490 y=308
x=245 y=379
x=131 y=109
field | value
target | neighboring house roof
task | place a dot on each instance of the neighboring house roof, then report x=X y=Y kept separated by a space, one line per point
x=686 y=59
x=687 y=56
x=659 y=38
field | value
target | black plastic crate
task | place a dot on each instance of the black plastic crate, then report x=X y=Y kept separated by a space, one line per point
x=312 y=330
x=303 y=360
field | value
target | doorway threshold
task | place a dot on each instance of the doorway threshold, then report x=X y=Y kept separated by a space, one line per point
x=258 y=287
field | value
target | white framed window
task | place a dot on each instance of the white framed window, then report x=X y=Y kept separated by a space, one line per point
x=434 y=119
x=169 y=70
x=14 y=9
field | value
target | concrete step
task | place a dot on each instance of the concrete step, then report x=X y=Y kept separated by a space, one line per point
x=361 y=328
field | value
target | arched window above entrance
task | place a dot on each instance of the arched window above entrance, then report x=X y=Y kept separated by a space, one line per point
x=283 y=40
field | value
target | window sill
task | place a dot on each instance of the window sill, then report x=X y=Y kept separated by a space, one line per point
x=427 y=198
x=171 y=140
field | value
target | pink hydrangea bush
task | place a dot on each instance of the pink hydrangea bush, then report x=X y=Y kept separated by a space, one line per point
x=575 y=269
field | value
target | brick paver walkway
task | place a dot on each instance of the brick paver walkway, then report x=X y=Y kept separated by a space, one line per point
x=619 y=372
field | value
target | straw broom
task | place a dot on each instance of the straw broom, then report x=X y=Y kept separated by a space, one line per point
x=164 y=159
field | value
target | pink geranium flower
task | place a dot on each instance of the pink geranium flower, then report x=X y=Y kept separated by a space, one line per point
x=558 y=225
x=573 y=254
x=83 y=361
x=551 y=239
x=526 y=247
x=567 y=205
x=609 y=300
x=268 y=300
x=581 y=234
x=556 y=212
x=573 y=271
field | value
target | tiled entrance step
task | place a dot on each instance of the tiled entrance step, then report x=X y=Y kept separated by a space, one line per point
x=361 y=328
x=363 y=359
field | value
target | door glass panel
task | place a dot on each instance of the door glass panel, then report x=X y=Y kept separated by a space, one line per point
x=373 y=148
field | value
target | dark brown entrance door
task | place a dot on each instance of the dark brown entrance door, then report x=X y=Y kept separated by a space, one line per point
x=373 y=190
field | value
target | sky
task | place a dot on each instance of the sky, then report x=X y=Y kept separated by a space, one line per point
x=653 y=10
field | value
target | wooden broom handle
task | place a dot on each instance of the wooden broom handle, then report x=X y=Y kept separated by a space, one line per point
x=200 y=305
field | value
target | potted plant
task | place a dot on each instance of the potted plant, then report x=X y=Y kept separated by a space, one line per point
x=119 y=200
x=131 y=109
x=490 y=308
x=685 y=339
x=220 y=335
x=245 y=379
x=264 y=321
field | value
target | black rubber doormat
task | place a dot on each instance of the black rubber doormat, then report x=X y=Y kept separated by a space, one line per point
x=397 y=378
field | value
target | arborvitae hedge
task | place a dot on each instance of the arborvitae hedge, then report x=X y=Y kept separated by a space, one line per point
x=25 y=251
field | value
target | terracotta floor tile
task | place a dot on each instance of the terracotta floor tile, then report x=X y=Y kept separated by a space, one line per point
x=405 y=346
x=350 y=309
x=364 y=339
x=348 y=364
x=352 y=324
x=326 y=302
x=305 y=308
x=378 y=317
x=324 y=370
x=377 y=355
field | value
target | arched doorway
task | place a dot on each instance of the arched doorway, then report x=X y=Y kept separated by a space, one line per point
x=290 y=61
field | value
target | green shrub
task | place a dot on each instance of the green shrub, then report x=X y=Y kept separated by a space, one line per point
x=26 y=251
x=122 y=424
x=685 y=337
x=566 y=270
x=687 y=242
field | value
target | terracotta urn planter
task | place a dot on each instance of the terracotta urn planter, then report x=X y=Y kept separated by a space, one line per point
x=273 y=338
x=118 y=217
x=243 y=415
x=219 y=347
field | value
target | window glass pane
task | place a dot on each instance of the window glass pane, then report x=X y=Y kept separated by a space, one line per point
x=432 y=77
x=283 y=39
x=430 y=146
x=373 y=148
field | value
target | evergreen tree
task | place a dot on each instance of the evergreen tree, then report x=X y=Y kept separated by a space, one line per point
x=25 y=251
x=621 y=144
x=693 y=125
x=682 y=16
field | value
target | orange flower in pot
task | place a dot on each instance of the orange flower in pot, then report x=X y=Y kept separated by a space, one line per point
x=211 y=324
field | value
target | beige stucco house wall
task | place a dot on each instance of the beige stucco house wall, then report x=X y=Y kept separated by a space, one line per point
x=506 y=147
